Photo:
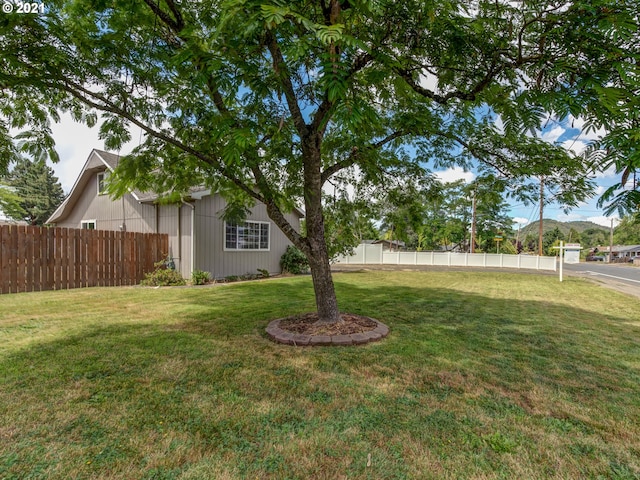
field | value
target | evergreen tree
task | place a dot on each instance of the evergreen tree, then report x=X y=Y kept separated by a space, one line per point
x=38 y=189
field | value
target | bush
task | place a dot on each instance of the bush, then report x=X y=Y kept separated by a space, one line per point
x=198 y=277
x=294 y=261
x=163 y=275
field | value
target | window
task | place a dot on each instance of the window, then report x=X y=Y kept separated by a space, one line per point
x=246 y=236
x=102 y=177
x=88 y=224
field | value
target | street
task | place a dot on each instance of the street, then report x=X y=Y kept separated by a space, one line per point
x=621 y=272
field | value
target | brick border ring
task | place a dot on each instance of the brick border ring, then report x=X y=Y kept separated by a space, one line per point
x=278 y=335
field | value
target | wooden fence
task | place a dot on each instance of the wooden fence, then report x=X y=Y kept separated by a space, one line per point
x=39 y=258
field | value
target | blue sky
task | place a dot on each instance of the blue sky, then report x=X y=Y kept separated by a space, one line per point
x=74 y=142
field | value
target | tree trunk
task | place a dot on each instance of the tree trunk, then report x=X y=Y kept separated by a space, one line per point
x=326 y=301
x=316 y=251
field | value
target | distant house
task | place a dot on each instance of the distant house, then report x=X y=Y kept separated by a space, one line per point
x=198 y=237
x=621 y=251
x=391 y=245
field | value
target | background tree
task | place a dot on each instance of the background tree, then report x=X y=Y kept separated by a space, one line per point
x=592 y=237
x=574 y=236
x=266 y=101
x=347 y=224
x=9 y=201
x=551 y=239
x=38 y=190
x=627 y=232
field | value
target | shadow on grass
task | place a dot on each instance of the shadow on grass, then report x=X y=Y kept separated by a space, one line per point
x=460 y=372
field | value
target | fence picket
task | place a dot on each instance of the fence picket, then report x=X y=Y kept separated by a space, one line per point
x=38 y=258
x=445 y=259
x=5 y=258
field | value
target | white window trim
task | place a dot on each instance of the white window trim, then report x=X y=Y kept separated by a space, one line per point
x=104 y=178
x=224 y=239
x=86 y=222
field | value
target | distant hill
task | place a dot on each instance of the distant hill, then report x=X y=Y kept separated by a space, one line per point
x=565 y=227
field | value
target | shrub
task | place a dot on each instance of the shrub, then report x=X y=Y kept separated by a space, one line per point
x=294 y=261
x=263 y=272
x=199 y=277
x=163 y=275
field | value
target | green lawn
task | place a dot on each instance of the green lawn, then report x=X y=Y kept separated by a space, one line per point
x=483 y=376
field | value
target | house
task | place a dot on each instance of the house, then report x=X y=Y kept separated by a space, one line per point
x=391 y=245
x=198 y=238
x=621 y=252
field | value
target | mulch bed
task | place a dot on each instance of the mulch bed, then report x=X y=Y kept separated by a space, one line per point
x=305 y=324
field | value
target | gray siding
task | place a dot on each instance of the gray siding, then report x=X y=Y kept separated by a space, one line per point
x=210 y=253
x=110 y=214
x=175 y=220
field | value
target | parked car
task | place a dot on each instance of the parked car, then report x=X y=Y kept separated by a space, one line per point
x=594 y=258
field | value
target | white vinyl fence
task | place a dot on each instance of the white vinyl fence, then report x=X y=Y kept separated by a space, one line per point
x=373 y=254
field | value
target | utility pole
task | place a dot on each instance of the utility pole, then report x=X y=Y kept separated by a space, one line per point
x=473 y=221
x=541 y=212
x=611 y=242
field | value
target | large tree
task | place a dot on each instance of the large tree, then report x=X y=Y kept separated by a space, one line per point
x=265 y=101
x=38 y=189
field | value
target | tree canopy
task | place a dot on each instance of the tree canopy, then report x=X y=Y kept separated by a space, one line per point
x=266 y=101
x=37 y=189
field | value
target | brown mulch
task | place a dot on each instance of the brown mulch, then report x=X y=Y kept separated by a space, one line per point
x=305 y=324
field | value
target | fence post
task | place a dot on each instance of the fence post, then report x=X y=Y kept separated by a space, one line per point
x=5 y=256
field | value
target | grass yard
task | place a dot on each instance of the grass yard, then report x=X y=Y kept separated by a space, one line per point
x=483 y=376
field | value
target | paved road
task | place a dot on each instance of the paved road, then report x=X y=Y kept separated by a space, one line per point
x=619 y=276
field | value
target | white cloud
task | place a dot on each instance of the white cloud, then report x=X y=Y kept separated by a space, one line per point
x=608 y=173
x=576 y=146
x=74 y=142
x=604 y=221
x=553 y=135
x=599 y=190
x=520 y=220
x=570 y=217
x=576 y=122
x=430 y=82
x=594 y=134
x=453 y=174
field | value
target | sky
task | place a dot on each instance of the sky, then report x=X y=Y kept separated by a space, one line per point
x=75 y=141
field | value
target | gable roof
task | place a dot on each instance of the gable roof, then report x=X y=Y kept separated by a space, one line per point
x=99 y=161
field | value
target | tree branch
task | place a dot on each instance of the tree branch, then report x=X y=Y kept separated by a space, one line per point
x=355 y=153
x=479 y=152
x=282 y=72
x=320 y=123
x=176 y=24
x=99 y=102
